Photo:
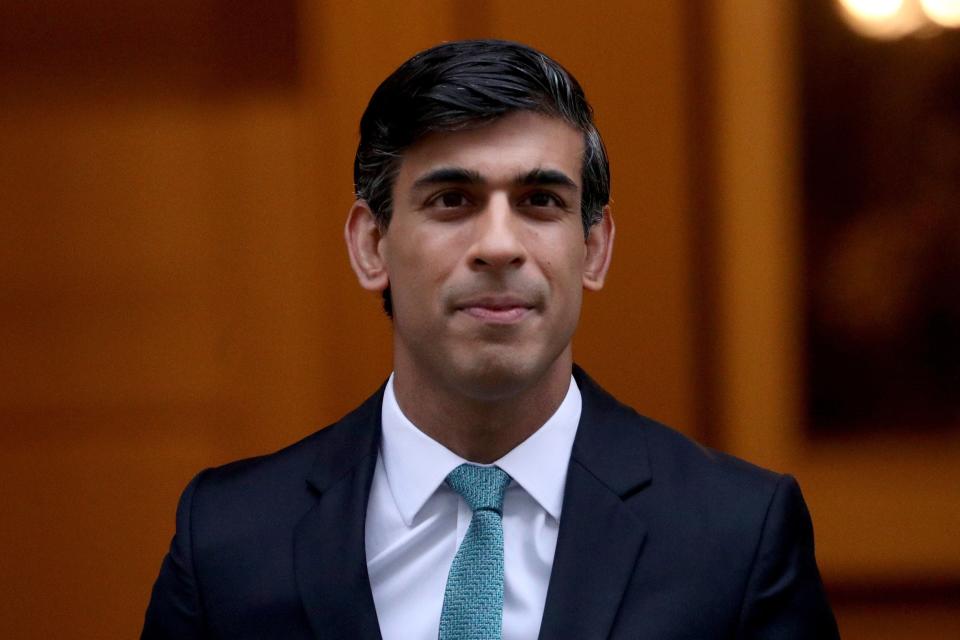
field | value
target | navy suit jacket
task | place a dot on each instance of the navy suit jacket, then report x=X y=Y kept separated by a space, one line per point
x=660 y=538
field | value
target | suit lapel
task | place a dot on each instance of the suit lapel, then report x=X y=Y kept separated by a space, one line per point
x=329 y=551
x=600 y=538
x=598 y=545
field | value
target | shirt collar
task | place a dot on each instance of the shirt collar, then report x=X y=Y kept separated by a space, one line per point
x=416 y=464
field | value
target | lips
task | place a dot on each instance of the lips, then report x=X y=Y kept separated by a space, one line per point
x=496 y=309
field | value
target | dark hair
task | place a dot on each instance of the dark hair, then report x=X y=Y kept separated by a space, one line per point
x=464 y=84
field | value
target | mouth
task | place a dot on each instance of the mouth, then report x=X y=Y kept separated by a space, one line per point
x=496 y=309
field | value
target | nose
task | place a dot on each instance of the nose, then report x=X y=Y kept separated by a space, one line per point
x=497 y=244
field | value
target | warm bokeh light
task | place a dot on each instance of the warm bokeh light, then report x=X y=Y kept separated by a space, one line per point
x=892 y=19
x=884 y=19
x=945 y=13
x=873 y=10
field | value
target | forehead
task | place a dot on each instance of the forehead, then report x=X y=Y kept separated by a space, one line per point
x=514 y=144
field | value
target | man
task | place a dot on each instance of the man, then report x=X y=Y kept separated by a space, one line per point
x=490 y=489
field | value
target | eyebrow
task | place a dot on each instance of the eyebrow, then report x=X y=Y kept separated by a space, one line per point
x=459 y=175
x=546 y=177
x=449 y=175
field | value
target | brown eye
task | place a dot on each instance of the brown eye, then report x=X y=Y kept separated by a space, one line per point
x=543 y=199
x=452 y=199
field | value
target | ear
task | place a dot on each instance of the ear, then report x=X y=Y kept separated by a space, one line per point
x=599 y=251
x=363 y=236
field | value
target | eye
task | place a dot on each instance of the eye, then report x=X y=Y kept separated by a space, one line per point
x=543 y=199
x=449 y=200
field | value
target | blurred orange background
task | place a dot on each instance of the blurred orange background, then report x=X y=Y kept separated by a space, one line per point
x=176 y=294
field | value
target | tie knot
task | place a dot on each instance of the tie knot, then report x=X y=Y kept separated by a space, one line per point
x=481 y=487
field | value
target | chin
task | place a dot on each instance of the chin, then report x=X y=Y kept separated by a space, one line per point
x=494 y=376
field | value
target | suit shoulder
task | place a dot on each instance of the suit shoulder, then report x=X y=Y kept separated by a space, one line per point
x=619 y=435
x=331 y=450
x=708 y=489
x=278 y=464
x=624 y=448
x=673 y=453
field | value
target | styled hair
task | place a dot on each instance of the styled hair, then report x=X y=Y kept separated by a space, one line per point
x=464 y=84
x=467 y=84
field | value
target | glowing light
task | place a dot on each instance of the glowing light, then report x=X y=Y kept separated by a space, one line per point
x=945 y=13
x=873 y=10
x=886 y=19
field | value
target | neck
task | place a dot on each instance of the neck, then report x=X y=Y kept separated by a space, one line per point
x=481 y=429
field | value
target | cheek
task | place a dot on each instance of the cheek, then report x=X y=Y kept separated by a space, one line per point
x=420 y=267
x=566 y=266
x=434 y=251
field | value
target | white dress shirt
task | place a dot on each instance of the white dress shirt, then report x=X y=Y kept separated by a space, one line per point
x=415 y=522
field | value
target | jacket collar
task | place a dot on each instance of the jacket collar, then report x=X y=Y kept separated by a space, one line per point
x=347 y=444
x=609 y=443
x=600 y=537
x=329 y=556
x=599 y=541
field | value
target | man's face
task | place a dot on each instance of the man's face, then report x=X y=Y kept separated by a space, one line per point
x=485 y=254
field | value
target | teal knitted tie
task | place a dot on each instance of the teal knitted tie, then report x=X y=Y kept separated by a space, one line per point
x=473 y=600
